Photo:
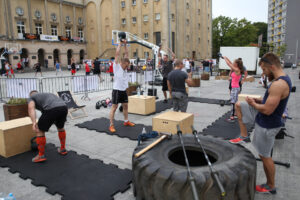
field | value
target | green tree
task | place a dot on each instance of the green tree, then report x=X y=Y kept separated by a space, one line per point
x=233 y=32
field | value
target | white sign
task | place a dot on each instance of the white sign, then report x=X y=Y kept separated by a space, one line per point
x=49 y=37
x=148 y=76
x=20 y=88
x=79 y=85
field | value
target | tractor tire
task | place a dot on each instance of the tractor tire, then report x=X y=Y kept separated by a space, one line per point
x=161 y=173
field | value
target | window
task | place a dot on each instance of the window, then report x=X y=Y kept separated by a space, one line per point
x=123 y=21
x=198 y=11
x=173 y=16
x=68 y=32
x=187 y=38
x=145 y=18
x=145 y=1
x=134 y=54
x=199 y=26
x=53 y=30
x=21 y=26
x=80 y=33
x=187 y=5
x=146 y=35
x=199 y=40
x=187 y=21
x=133 y=20
x=38 y=29
x=156 y=0
x=146 y=54
x=133 y=2
x=157 y=16
x=123 y=4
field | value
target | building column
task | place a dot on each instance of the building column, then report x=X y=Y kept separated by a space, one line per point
x=30 y=16
x=6 y=19
x=47 y=17
x=10 y=19
x=74 y=21
x=61 y=18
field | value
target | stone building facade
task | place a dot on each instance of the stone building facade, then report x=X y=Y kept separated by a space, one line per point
x=82 y=29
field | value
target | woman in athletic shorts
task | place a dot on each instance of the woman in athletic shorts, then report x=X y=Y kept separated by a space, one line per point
x=237 y=70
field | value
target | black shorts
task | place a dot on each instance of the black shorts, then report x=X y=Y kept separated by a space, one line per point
x=165 y=84
x=57 y=116
x=111 y=74
x=96 y=71
x=87 y=73
x=38 y=70
x=119 y=97
x=188 y=70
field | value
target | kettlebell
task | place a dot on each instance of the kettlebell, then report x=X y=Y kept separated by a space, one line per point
x=122 y=36
x=98 y=105
x=222 y=103
x=103 y=103
x=121 y=108
x=34 y=146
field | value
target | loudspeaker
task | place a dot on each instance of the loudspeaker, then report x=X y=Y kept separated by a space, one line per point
x=293 y=89
x=152 y=92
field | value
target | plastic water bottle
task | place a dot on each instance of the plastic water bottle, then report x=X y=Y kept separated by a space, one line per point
x=10 y=196
x=138 y=92
x=144 y=131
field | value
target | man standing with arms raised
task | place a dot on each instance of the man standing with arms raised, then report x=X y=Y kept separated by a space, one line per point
x=120 y=85
x=267 y=114
x=167 y=67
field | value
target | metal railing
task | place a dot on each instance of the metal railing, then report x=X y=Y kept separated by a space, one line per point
x=20 y=87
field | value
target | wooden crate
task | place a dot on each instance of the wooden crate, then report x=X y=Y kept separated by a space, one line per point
x=242 y=97
x=141 y=105
x=167 y=122
x=249 y=79
x=15 y=136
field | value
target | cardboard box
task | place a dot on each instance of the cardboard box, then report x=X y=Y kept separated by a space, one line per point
x=242 y=97
x=141 y=105
x=15 y=136
x=167 y=122
x=249 y=79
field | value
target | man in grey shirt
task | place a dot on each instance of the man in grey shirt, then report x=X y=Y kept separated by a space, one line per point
x=54 y=111
x=176 y=85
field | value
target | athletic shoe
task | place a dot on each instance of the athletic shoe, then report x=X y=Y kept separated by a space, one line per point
x=264 y=188
x=128 y=123
x=62 y=151
x=39 y=158
x=165 y=101
x=112 y=129
x=235 y=117
x=239 y=140
x=231 y=119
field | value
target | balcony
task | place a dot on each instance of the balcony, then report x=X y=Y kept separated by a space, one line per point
x=279 y=40
x=281 y=3
x=280 y=18
x=279 y=33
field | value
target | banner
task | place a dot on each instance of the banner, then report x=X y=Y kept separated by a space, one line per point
x=85 y=83
x=20 y=88
x=49 y=37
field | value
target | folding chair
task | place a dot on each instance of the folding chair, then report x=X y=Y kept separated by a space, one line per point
x=67 y=97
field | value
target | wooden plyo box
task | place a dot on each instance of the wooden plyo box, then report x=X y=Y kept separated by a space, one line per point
x=167 y=122
x=141 y=105
x=249 y=79
x=15 y=136
x=222 y=77
x=242 y=97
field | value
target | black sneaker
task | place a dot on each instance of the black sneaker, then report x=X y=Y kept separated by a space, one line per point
x=165 y=101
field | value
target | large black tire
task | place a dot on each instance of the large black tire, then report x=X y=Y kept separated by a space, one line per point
x=155 y=176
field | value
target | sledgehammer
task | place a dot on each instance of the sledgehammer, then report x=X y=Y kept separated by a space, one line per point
x=150 y=146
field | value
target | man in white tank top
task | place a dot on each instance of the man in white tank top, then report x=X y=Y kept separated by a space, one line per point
x=120 y=85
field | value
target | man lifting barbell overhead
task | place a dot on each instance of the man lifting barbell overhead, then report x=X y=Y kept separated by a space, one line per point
x=120 y=85
x=267 y=115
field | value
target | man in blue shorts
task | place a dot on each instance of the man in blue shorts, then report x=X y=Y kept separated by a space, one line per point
x=266 y=114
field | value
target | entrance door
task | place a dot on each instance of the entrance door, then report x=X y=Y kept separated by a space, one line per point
x=56 y=56
x=69 y=54
x=81 y=55
x=41 y=57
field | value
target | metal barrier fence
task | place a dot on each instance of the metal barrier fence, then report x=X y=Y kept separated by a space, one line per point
x=20 y=87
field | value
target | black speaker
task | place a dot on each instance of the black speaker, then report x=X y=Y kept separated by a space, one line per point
x=293 y=89
x=152 y=92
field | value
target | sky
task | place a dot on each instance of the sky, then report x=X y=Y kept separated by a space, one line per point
x=252 y=10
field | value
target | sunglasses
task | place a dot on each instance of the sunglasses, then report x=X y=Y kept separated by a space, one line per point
x=266 y=61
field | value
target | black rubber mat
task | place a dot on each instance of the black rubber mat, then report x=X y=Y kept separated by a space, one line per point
x=161 y=106
x=102 y=124
x=73 y=176
x=209 y=101
x=222 y=128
